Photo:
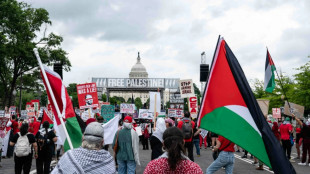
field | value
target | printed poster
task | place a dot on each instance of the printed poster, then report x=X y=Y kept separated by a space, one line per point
x=193 y=106
x=145 y=114
x=87 y=95
x=154 y=103
x=177 y=113
x=12 y=110
x=3 y=122
x=127 y=108
x=276 y=112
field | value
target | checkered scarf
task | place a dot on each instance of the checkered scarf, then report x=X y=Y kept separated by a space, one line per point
x=81 y=160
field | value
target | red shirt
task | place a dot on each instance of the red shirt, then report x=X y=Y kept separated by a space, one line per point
x=180 y=124
x=15 y=127
x=284 y=131
x=36 y=127
x=160 y=166
x=224 y=144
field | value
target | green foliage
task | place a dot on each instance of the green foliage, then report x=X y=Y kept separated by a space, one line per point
x=72 y=91
x=104 y=97
x=138 y=103
x=20 y=32
x=116 y=100
x=197 y=93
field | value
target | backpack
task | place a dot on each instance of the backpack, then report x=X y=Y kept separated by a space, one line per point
x=187 y=129
x=22 y=146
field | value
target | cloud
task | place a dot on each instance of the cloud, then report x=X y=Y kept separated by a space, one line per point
x=103 y=37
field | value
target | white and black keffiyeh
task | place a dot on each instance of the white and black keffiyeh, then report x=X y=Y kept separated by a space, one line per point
x=80 y=161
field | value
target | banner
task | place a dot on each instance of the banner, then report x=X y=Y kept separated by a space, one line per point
x=127 y=108
x=5 y=143
x=178 y=113
x=3 y=122
x=296 y=109
x=193 y=106
x=24 y=114
x=152 y=102
x=186 y=88
x=107 y=112
x=87 y=95
x=12 y=110
x=145 y=114
x=276 y=112
x=175 y=98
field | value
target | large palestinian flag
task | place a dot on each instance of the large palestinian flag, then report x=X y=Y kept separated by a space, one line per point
x=230 y=109
x=269 y=83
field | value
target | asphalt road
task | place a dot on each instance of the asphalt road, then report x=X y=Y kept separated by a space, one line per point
x=242 y=166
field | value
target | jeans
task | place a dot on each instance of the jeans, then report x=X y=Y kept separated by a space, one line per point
x=43 y=164
x=126 y=167
x=225 y=159
x=196 y=143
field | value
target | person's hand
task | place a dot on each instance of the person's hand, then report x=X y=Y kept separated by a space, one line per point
x=36 y=156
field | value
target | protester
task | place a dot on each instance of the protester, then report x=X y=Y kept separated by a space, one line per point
x=127 y=141
x=173 y=160
x=15 y=125
x=169 y=122
x=1 y=141
x=156 y=139
x=214 y=137
x=285 y=131
x=275 y=130
x=196 y=139
x=46 y=139
x=298 y=136
x=187 y=126
x=90 y=157
x=34 y=125
x=23 y=151
x=305 y=131
x=226 y=157
x=203 y=140
x=145 y=137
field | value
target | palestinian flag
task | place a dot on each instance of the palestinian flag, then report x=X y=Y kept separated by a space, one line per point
x=65 y=106
x=230 y=109
x=269 y=83
x=46 y=117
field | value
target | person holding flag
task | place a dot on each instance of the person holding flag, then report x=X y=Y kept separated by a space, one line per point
x=230 y=109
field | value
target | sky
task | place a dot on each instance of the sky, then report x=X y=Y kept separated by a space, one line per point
x=102 y=37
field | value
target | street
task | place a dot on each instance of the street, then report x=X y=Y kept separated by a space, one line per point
x=242 y=166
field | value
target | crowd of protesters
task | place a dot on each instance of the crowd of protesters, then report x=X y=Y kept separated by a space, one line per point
x=171 y=143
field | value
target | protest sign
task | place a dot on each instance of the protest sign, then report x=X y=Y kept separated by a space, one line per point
x=87 y=95
x=138 y=130
x=186 y=88
x=107 y=112
x=28 y=105
x=2 y=112
x=296 y=109
x=155 y=101
x=12 y=110
x=24 y=114
x=203 y=133
x=264 y=105
x=87 y=113
x=30 y=112
x=127 y=108
x=175 y=113
x=276 y=112
x=175 y=98
x=145 y=114
x=3 y=122
x=193 y=106
x=36 y=105
x=177 y=106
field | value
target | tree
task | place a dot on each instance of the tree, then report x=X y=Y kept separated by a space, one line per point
x=72 y=91
x=104 y=97
x=20 y=27
x=138 y=103
x=197 y=93
x=302 y=91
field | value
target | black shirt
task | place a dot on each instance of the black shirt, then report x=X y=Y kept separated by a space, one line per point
x=156 y=146
x=30 y=137
x=45 y=143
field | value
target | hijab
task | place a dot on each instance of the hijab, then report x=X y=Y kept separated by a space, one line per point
x=160 y=129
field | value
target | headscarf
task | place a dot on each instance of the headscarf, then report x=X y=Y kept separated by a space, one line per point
x=160 y=129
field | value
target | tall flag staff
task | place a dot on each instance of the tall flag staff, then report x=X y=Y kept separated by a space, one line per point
x=35 y=50
x=269 y=83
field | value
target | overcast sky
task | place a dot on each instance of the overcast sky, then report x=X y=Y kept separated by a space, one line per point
x=103 y=37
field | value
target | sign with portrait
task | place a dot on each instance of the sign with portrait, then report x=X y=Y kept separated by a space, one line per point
x=87 y=95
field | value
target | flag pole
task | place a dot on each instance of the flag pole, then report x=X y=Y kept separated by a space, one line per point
x=280 y=83
x=35 y=50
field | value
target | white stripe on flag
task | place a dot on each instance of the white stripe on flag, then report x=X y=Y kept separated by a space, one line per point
x=268 y=75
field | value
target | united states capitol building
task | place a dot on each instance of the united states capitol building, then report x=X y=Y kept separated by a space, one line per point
x=139 y=85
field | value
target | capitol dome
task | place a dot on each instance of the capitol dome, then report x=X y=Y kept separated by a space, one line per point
x=138 y=70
